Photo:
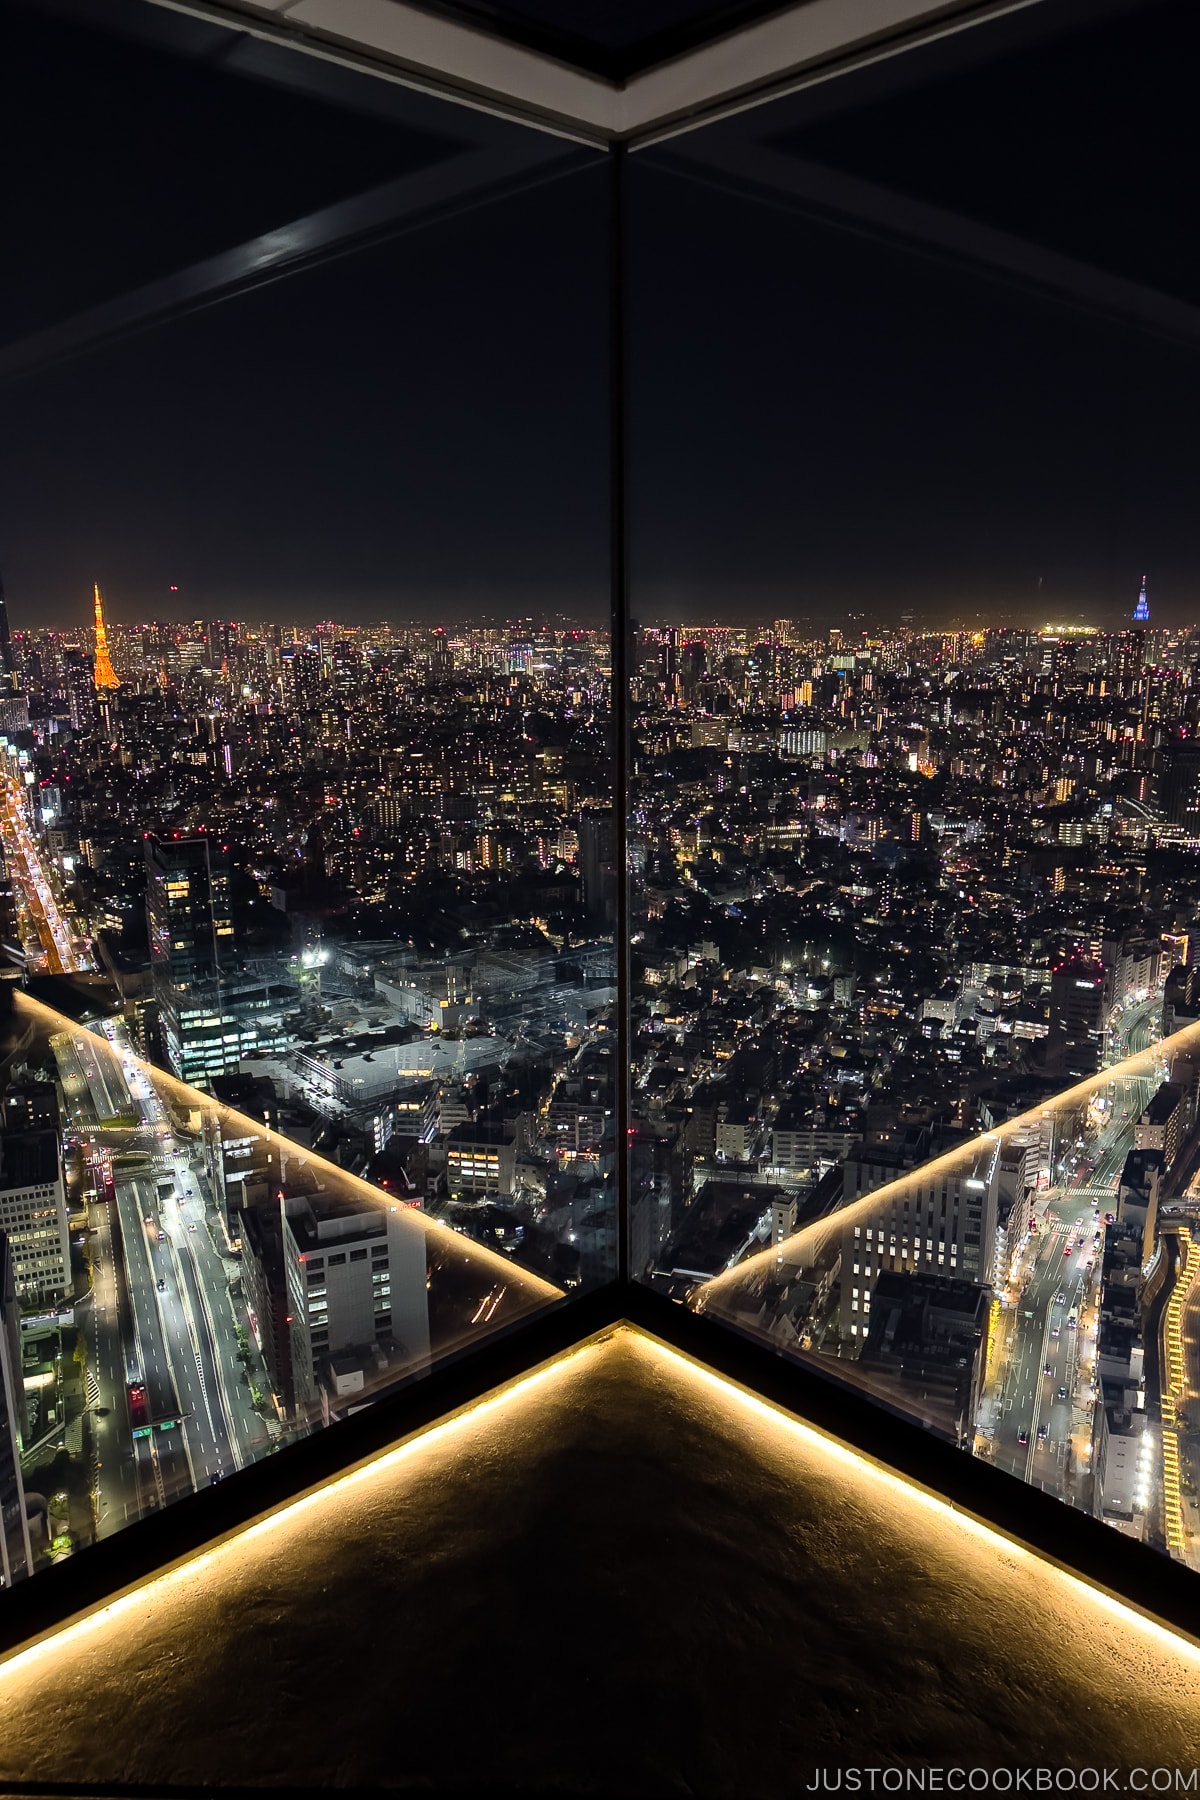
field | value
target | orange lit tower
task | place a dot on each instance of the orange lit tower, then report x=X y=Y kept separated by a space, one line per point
x=105 y=676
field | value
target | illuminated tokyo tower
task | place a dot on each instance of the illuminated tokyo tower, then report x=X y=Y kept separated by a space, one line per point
x=105 y=675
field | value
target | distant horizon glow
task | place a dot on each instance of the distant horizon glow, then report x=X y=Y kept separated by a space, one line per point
x=332 y=615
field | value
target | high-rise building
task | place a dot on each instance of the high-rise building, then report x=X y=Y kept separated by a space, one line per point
x=79 y=688
x=337 y=1288
x=33 y=1203
x=14 y=713
x=16 y=1555
x=211 y=1014
x=441 y=661
x=1080 y=996
x=8 y=667
x=693 y=668
x=191 y=937
x=105 y=675
x=1141 y=612
x=597 y=867
x=1179 y=783
x=220 y=638
x=187 y=901
x=942 y=1223
x=300 y=678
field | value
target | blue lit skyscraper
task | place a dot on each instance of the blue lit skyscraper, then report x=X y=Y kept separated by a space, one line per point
x=1141 y=612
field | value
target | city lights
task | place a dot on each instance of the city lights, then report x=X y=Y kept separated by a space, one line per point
x=898 y=1098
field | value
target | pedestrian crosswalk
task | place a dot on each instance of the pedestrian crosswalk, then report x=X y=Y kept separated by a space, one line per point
x=93 y=1388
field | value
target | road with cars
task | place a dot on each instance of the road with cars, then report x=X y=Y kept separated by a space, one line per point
x=1040 y=1399
x=119 y=1496
x=1039 y=1406
x=50 y=939
x=170 y=1397
x=220 y=1428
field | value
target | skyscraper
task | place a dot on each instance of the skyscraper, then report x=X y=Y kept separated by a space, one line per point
x=1141 y=612
x=16 y=1554
x=1179 y=783
x=1080 y=996
x=79 y=688
x=191 y=935
x=105 y=674
x=8 y=670
x=211 y=1013
x=596 y=867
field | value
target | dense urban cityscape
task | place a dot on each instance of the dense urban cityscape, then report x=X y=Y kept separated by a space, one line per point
x=311 y=1026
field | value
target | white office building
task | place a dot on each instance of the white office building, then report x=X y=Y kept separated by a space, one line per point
x=937 y=1221
x=33 y=1215
x=356 y=1281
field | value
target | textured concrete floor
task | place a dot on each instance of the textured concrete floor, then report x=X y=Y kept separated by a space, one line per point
x=621 y=1579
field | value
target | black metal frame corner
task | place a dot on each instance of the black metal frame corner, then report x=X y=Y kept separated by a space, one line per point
x=1082 y=1546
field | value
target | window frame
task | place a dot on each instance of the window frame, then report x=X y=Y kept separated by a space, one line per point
x=1106 y=1560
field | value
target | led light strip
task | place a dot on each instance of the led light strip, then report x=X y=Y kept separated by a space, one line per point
x=903 y=1487
x=813 y=1237
x=159 y=1584
x=523 y=1280
x=792 y=1430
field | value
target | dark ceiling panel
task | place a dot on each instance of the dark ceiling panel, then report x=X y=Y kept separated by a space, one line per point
x=1083 y=142
x=152 y=155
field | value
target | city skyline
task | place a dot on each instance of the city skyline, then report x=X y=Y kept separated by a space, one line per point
x=176 y=607
x=913 y=930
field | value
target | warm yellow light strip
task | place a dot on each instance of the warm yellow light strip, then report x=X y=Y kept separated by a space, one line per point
x=812 y=1236
x=533 y=1286
x=167 y=1581
x=783 y=1427
x=786 y=1425
x=1174 y=1388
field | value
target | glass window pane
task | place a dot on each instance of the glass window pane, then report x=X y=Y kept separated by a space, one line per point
x=913 y=707
x=305 y=755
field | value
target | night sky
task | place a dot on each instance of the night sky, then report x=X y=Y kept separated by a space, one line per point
x=821 y=423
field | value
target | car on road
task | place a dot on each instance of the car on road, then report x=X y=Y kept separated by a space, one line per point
x=1062 y=1392
x=1043 y=1434
x=162 y=1237
x=1049 y=1369
x=1072 y=1322
x=162 y=1286
x=1023 y=1435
